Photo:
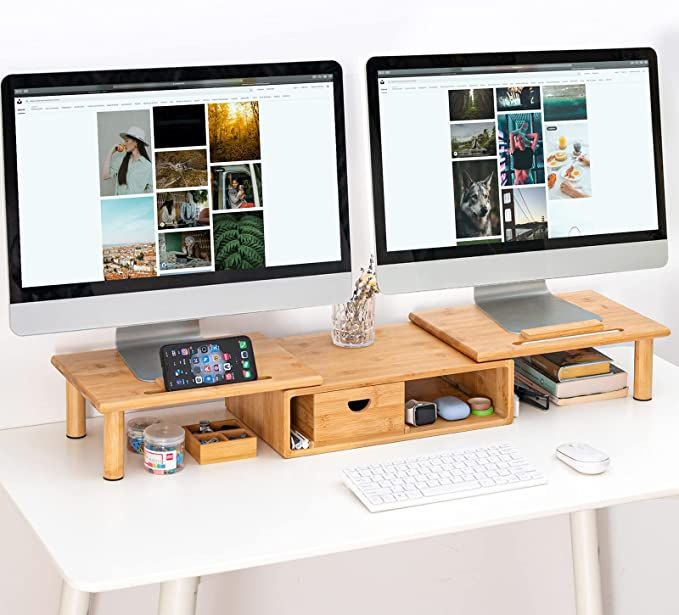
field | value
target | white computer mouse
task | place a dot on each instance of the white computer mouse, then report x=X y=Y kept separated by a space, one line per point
x=582 y=457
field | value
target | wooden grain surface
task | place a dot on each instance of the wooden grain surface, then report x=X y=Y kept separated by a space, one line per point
x=643 y=370
x=401 y=352
x=225 y=449
x=333 y=420
x=471 y=331
x=572 y=328
x=103 y=378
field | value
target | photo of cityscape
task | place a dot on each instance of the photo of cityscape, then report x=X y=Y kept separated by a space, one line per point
x=129 y=242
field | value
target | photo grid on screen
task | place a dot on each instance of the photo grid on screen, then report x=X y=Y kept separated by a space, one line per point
x=514 y=150
x=181 y=189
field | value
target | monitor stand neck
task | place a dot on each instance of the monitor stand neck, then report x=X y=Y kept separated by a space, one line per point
x=139 y=345
x=527 y=305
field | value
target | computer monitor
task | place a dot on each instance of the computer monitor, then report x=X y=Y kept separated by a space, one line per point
x=153 y=196
x=501 y=170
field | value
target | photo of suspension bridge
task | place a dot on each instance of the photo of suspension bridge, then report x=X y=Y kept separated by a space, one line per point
x=524 y=212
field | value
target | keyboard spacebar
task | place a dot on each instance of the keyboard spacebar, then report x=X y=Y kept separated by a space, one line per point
x=454 y=488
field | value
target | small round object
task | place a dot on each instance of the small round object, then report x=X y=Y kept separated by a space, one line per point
x=135 y=432
x=451 y=408
x=479 y=403
x=164 y=448
x=486 y=412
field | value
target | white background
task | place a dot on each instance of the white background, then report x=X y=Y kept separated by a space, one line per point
x=60 y=250
x=300 y=186
x=529 y=563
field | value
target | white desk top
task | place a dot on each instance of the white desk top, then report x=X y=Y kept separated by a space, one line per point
x=210 y=519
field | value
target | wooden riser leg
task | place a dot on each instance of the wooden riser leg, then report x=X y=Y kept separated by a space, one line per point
x=643 y=370
x=114 y=445
x=76 y=426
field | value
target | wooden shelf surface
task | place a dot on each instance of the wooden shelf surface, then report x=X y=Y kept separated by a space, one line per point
x=103 y=378
x=471 y=331
x=401 y=352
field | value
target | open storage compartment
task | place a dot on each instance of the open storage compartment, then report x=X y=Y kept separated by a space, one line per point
x=489 y=383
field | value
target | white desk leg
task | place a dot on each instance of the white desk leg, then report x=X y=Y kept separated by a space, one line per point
x=178 y=597
x=587 y=576
x=73 y=602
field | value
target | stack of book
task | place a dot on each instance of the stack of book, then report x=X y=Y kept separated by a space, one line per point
x=572 y=376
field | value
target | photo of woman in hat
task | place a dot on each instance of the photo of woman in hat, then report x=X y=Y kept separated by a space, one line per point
x=128 y=165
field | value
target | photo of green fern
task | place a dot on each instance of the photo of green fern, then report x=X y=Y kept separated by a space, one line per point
x=239 y=240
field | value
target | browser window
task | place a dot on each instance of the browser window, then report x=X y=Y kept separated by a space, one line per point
x=119 y=182
x=516 y=153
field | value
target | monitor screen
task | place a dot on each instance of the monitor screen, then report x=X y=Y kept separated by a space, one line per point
x=473 y=157
x=143 y=180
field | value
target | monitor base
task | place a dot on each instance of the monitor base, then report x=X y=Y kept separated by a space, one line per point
x=139 y=345
x=527 y=305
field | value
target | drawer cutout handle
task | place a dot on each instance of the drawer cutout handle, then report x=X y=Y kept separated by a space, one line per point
x=357 y=405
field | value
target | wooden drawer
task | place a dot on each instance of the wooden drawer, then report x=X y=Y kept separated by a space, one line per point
x=351 y=414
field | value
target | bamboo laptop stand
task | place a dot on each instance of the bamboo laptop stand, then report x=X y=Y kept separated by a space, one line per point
x=103 y=379
x=346 y=398
x=472 y=332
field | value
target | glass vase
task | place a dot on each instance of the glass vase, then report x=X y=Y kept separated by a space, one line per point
x=353 y=323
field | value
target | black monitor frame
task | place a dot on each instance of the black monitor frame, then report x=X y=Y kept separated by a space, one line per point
x=129 y=77
x=378 y=64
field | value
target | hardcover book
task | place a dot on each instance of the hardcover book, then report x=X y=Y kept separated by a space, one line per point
x=604 y=383
x=586 y=399
x=569 y=364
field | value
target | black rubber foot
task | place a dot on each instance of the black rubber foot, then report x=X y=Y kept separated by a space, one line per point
x=76 y=437
x=637 y=399
x=113 y=480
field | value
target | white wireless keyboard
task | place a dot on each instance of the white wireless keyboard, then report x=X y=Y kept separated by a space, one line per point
x=452 y=474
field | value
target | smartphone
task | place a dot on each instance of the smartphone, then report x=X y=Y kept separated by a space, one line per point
x=205 y=363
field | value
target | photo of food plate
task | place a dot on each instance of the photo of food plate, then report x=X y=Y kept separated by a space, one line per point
x=572 y=173
x=568 y=161
x=557 y=159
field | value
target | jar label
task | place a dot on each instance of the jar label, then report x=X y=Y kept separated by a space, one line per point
x=160 y=460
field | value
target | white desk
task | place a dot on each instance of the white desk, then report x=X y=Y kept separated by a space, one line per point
x=291 y=509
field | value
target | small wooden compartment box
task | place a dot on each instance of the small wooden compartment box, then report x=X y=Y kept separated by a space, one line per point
x=231 y=446
x=350 y=413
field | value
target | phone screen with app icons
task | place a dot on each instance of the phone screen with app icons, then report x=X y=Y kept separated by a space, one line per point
x=208 y=363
